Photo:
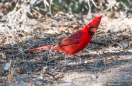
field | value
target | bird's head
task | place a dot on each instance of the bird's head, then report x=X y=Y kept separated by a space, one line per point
x=95 y=22
x=94 y=25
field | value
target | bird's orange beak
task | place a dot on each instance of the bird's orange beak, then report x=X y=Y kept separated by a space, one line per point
x=94 y=30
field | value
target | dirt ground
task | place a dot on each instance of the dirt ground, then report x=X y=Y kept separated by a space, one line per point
x=106 y=61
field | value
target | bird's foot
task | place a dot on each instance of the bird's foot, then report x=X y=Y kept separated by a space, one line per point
x=51 y=52
x=78 y=60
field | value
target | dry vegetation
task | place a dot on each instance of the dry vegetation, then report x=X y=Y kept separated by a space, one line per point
x=25 y=24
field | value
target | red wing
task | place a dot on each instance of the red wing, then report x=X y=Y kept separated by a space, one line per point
x=72 y=39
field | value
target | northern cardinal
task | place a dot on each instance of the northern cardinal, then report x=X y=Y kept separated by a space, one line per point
x=75 y=42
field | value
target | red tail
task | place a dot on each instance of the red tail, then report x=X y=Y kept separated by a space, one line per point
x=38 y=49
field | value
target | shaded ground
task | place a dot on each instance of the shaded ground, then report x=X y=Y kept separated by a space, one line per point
x=106 y=61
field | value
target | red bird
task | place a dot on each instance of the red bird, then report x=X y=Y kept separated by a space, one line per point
x=75 y=42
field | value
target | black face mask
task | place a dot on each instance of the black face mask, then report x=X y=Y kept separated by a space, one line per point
x=90 y=30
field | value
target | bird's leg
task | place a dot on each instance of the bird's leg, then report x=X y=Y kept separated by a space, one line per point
x=65 y=58
x=78 y=60
x=50 y=51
